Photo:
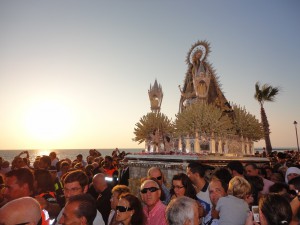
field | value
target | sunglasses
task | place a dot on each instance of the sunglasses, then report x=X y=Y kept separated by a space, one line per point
x=123 y=208
x=151 y=189
x=158 y=178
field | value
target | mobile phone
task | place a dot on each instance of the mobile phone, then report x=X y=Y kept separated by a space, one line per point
x=255 y=212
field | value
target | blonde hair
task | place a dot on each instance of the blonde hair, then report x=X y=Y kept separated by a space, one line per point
x=239 y=187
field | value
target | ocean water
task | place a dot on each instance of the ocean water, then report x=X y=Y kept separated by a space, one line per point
x=72 y=153
x=9 y=155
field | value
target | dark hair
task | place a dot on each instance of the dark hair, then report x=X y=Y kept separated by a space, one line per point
x=109 y=158
x=138 y=218
x=276 y=209
x=23 y=175
x=87 y=207
x=257 y=185
x=77 y=175
x=44 y=181
x=187 y=183
x=278 y=187
x=197 y=168
x=224 y=176
x=237 y=166
x=46 y=159
x=254 y=166
x=296 y=182
x=281 y=155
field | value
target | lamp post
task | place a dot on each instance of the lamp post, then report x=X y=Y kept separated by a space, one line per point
x=295 y=123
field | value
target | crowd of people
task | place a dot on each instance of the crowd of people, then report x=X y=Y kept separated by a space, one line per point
x=96 y=191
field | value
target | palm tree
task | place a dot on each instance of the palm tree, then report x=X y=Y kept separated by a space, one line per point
x=202 y=118
x=246 y=125
x=265 y=93
x=151 y=122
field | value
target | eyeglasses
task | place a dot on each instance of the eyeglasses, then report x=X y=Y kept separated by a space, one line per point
x=123 y=208
x=158 y=178
x=151 y=189
x=177 y=187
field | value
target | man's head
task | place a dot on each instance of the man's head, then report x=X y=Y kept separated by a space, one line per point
x=43 y=181
x=216 y=190
x=18 y=183
x=79 y=210
x=236 y=168
x=281 y=157
x=150 y=193
x=182 y=210
x=156 y=173
x=195 y=171
x=75 y=183
x=252 y=169
x=108 y=161
x=294 y=184
x=64 y=166
x=99 y=182
x=52 y=155
x=18 y=162
x=20 y=211
x=45 y=162
x=79 y=157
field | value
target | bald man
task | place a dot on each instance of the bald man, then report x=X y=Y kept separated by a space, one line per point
x=22 y=210
x=103 y=199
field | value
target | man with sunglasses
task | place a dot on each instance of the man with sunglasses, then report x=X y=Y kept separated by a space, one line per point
x=154 y=209
x=156 y=173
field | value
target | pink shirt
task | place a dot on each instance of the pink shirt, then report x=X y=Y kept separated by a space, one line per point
x=157 y=215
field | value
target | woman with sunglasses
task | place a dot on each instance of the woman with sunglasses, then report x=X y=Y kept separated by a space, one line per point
x=130 y=210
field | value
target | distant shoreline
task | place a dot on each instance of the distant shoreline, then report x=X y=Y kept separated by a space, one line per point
x=128 y=149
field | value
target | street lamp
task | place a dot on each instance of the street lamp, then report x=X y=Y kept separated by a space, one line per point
x=295 y=123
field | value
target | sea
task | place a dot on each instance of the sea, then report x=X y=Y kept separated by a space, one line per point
x=9 y=155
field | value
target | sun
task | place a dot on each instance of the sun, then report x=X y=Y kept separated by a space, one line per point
x=48 y=120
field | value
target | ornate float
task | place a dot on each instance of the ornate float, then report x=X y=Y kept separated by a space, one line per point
x=207 y=128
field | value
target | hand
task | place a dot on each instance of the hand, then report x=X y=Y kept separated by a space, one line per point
x=214 y=213
x=201 y=210
x=249 y=220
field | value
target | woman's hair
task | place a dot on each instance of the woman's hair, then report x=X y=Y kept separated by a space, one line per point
x=121 y=189
x=276 y=209
x=239 y=187
x=187 y=183
x=138 y=217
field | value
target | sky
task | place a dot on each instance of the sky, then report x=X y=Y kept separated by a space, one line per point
x=76 y=74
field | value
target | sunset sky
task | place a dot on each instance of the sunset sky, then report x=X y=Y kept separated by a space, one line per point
x=76 y=74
